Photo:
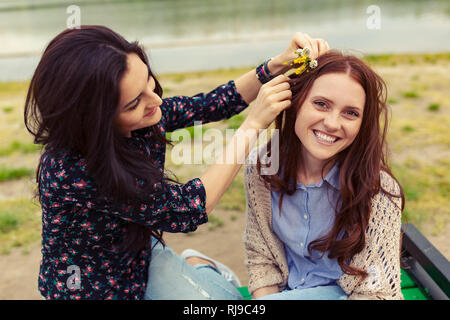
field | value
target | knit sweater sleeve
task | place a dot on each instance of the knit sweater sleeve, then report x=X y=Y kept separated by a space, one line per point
x=381 y=255
x=262 y=266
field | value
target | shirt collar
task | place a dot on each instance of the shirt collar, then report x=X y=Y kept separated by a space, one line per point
x=333 y=177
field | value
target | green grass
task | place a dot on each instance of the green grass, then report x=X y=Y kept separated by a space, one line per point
x=427 y=192
x=8 y=109
x=14 y=173
x=407 y=128
x=8 y=89
x=434 y=107
x=409 y=58
x=20 y=147
x=234 y=197
x=410 y=94
x=8 y=222
x=392 y=101
x=214 y=222
x=235 y=121
x=20 y=224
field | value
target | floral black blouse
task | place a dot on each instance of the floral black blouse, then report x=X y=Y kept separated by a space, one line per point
x=79 y=260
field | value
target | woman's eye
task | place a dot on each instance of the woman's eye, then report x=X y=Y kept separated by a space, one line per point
x=321 y=104
x=135 y=106
x=353 y=113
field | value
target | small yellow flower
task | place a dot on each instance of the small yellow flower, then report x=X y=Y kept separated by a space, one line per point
x=300 y=69
x=300 y=60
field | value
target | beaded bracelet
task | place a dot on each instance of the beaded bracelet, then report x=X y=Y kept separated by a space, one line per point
x=262 y=72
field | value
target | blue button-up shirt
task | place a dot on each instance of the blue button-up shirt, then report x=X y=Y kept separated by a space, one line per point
x=307 y=215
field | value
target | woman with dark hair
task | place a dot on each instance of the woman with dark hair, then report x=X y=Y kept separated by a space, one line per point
x=327 y=224
x=97 y=108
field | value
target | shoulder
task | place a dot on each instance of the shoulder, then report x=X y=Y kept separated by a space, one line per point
x=62 y=160
x=389 y=184
x=387 y=203
x=390 y=189
x=61 y=169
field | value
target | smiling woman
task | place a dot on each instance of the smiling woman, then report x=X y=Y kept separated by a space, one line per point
x=331 y=216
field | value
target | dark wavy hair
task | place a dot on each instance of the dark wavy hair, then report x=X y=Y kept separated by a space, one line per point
x=360 y=163
x=71 y=104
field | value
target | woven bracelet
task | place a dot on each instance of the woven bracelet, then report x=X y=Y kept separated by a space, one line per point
x=262 y=72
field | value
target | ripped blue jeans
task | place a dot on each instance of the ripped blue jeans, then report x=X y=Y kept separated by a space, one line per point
x=172 y=278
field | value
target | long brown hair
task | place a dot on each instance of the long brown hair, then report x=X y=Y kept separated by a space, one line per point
x=360 y=163
x=71 y=105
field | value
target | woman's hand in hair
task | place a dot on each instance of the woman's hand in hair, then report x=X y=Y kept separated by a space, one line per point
x=248 y=85
x=273 y=97
x=299 y=40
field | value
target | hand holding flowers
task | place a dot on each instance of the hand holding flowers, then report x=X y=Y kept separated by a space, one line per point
x=301 y=63
x=300 y=40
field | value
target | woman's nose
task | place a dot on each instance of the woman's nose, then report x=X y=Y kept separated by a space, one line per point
x=331 y=122
x=154 y=99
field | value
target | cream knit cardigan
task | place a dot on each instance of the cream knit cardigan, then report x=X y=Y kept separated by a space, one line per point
x=266 y=260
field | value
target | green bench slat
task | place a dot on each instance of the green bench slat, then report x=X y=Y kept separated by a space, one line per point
x=413 y=294
x=410 y=290
x=407 y=281
x=244 y=292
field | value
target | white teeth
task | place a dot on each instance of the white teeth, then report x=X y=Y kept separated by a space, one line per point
x=324 y=137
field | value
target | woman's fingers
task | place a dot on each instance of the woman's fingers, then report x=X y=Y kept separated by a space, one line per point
x=322 y=46
x=277 y=80
x=279 y=87
x=318 y=46
x=282 y=95
x=283 y=105
x=273 y=97
x=312 y=44
x=276 y=90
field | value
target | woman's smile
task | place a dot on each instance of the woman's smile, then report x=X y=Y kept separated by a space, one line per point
x=151 y=113
x=324 y=138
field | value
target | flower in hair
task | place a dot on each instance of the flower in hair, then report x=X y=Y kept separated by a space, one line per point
x=301 y=63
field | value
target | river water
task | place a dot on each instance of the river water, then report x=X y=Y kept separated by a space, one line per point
x=195 y=35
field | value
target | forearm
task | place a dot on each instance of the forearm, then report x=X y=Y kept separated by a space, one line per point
x=248 y=84
x=261 y=292
x=218 y=177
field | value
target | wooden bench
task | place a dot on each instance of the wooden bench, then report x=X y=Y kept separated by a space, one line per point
x=426 y=271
